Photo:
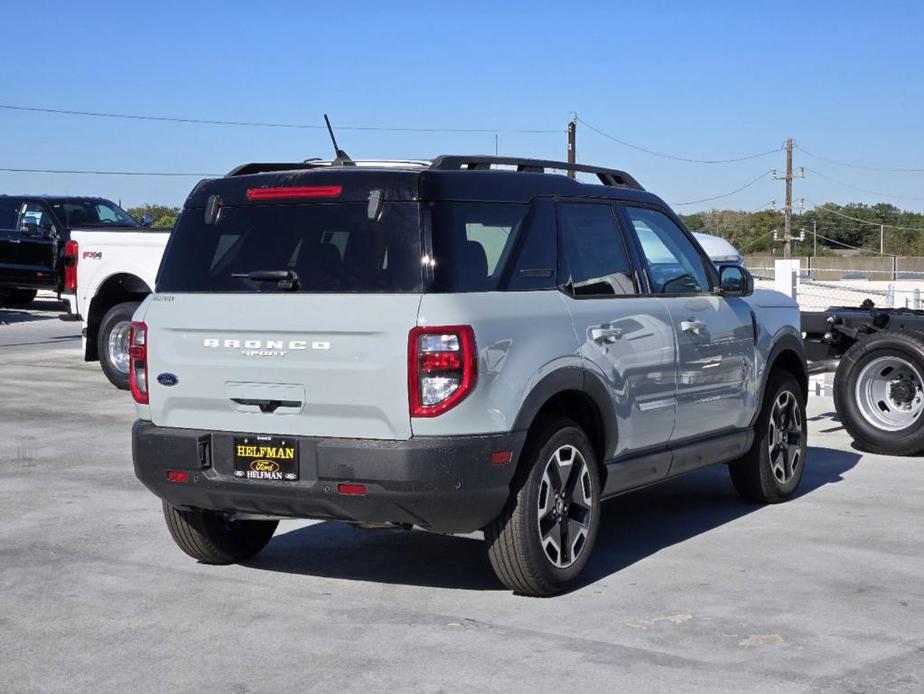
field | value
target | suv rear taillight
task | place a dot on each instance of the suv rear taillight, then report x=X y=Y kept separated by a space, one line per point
x=70 y=265
x=441 y=368
x=138 y=362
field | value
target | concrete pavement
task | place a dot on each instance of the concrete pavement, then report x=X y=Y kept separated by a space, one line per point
x=690 y=589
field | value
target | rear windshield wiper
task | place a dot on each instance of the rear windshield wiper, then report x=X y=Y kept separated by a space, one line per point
x=284 y=279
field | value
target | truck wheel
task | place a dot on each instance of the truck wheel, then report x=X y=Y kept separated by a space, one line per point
x=879 y=392
x=17 y=298
x=112 y=343
x=770 y=472
x=213 y=539
x=543 y=538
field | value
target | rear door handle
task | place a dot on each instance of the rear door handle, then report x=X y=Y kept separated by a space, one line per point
x=692 y=326
x=605 y=334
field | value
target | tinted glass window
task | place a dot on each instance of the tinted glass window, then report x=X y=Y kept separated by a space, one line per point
x=9 y=211
x=537 y=250
x=472 y=242
x=674 y=264
x=595 y=255
x=91 y=213
x=330 y=248
x=35 y=213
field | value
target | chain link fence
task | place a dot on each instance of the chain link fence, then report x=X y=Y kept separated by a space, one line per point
x=844 y=281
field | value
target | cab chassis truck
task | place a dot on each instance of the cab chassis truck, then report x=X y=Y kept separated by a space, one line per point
x=877 y=356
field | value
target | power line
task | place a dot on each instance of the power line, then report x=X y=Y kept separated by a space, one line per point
x=260 y=124
x=858 y=166
x=723 y=195
x=863 y=190
x=847 y=245
x=674 y=157
x=862 y=221
x=752 y=242
x=111 y=173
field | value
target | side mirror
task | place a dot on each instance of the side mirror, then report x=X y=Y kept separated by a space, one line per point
x=147 y=220
x=734 y=280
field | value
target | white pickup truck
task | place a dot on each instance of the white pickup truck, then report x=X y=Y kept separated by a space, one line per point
x=115 y=272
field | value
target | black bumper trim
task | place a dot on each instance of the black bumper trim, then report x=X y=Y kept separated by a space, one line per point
x=445 y=484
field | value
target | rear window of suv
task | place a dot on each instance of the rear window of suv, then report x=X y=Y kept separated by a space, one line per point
x=331 y=247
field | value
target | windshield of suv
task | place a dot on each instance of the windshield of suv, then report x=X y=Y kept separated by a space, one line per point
x=91 y=213
x=315 y=247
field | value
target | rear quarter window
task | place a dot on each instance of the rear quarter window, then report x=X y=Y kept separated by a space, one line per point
x=472 y=242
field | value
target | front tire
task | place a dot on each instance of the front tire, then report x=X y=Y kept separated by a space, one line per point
x=213 y=539
x=542 y=540
x=771 y=470
x=879 y=392
x=112 y=343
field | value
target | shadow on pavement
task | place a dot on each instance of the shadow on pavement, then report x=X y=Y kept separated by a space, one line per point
x=40 y=309
x=633 y=526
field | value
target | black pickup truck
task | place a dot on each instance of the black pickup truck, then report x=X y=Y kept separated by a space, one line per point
x=34 y=235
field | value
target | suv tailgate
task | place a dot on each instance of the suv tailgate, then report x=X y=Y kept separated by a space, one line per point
x=332 y=365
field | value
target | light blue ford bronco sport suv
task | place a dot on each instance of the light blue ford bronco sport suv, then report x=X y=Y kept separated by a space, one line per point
x=469 y=343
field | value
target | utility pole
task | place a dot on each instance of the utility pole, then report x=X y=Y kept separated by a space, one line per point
x=882 y=239
x=787 y=214
x=787 y=210
x=572 y=146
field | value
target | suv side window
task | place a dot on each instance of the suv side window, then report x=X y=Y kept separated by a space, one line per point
x=35 y=213
x=472 y=242
x=594 y=253
x=536 y=251
x=674 y=264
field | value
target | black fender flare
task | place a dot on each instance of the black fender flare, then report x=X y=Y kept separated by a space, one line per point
x=787 y=342
x=571 y=378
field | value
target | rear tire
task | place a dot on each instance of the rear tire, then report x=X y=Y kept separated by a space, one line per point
x=17 y=298
x=879 y=392
x=771 y=471
x=112 y=343
x=542 y=540
x=213 y=539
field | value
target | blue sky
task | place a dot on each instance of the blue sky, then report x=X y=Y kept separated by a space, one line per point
x=700 y=80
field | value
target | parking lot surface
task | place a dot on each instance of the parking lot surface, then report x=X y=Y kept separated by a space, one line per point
x=690 y=589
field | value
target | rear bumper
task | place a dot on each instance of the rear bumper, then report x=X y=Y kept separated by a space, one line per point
x=445 y=484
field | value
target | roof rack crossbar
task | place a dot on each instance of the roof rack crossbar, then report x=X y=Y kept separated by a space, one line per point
x=608 y=177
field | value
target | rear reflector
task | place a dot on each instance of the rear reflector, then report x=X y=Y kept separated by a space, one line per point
x=352 y=489
x=294 y=192
x=181 y=476
x=501 y=457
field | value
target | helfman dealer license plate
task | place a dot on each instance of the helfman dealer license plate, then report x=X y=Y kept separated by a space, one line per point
x=270 y=458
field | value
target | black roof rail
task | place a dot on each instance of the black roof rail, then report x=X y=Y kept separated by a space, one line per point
x=608 y=177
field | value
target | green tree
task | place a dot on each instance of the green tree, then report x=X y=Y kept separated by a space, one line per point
x=163 y=215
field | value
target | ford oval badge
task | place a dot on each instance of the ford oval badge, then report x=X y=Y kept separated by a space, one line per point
x=167 y=379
